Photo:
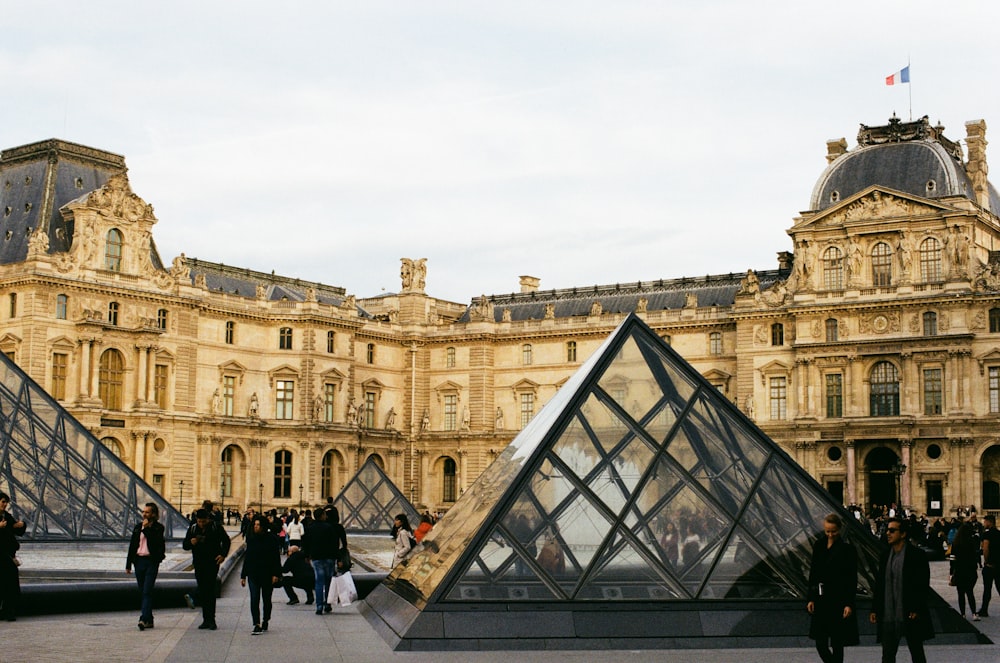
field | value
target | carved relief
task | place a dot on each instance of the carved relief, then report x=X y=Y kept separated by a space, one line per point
x=876 y=205
x=116 y=200
x=977 y=321
x=879 y=323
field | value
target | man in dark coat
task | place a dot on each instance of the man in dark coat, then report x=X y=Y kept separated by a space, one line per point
x=145 y=551
x=209 y=545
x=10 y=581
x=302 y=576
x=900 y=601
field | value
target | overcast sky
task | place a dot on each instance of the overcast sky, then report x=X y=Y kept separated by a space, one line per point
x=579 y=142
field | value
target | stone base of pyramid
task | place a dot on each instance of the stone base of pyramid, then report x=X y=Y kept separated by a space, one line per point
x=615 y=626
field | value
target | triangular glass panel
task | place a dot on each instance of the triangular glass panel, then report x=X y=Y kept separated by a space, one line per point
x=575 y=448
x=370 y=501
x=745 y=572
x=625 y=573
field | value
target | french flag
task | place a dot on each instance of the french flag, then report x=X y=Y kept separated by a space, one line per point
x=901 y=76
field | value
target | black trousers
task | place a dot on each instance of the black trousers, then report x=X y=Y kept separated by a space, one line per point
x=207 y=577
x=289 y=583
x=10 y=588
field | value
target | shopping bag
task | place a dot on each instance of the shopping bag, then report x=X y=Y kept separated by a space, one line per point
x=346 y=591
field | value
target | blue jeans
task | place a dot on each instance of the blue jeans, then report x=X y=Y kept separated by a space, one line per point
x=260 y=590
x=145 y=577
x=323 y=568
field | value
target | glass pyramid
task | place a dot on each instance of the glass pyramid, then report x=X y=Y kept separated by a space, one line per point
x=638 y=484
x=62 y=481
x=370 y=501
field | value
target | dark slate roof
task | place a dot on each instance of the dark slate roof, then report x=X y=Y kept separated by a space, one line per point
x=664 y=294
x=36 y=180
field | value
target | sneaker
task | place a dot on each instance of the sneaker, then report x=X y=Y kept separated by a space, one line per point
x=983 y=613
x=142 y=626
x=975 y=617
x=189 y=600
x=320 y=612
x=257 y=630
x=327 y=608
x=263 y=625
x=309 y=600
x=293 y=602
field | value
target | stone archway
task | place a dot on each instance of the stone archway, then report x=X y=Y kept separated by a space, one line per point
x=990 y=463
x=879 y=475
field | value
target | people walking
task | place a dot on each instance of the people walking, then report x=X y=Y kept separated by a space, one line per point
x=320 y=546
x=261 y=570
x=209 y=545
x=991 y=559
x=964 y=562
x=10 y=580
x=146 y=550
x=833 y=582
x=900 y=596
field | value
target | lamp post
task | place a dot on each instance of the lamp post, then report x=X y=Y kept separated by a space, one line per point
x=260 y=501
x=222 y=492
x=300 y=496
x=181 y=484
x=898 y=470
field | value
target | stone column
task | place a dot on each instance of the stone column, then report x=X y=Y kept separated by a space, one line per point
x=904 y=480
x=140 y=380
x=85 y=352
x=95 y=372
x=852 y=479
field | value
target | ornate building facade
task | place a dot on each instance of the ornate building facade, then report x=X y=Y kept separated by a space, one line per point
x=871 y=353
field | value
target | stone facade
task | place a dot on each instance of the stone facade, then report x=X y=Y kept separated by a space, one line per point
x=875 y=344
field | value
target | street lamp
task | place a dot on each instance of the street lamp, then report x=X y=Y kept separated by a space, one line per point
x=260 y=502
x=222 y=492
x=300 y=496
x=899 y=469
x=182 y=497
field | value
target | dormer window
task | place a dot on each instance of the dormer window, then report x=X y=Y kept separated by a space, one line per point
x=113 y=251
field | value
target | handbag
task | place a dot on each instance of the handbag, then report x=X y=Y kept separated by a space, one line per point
x=347 y=592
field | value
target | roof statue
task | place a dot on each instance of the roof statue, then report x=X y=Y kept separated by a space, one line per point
x=639 y=509
x=63 y=483
x=370 y=501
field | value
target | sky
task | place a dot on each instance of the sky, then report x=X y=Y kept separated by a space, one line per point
x=578 y=142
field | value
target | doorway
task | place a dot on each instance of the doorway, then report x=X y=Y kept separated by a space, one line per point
x=881 y=480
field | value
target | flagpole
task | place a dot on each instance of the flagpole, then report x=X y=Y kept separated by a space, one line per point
x=909 y=87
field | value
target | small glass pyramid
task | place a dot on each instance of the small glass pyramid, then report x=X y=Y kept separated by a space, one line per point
x=370 y=501
x=638 y=484
x=62 y=481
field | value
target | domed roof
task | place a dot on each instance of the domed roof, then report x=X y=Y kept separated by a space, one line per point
x=911 y=157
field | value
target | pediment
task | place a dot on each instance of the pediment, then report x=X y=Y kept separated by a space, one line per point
x=373 y=383
x=283 y=371
x=525 y=385
x=62 y=343
x=115 y=200
x=333 y=375
x=232 y=366
x=448 y=386
x=875 y=202
x=716 y=374
x=775 y=367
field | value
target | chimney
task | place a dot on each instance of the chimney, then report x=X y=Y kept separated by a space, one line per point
x=976 y=168
x=530 y=283
x=834 y=148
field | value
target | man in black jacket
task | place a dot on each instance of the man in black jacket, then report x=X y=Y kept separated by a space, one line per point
x=10 y=581
x=302 y=576
x=209 y=545
x=900 y=601
x=145 y=551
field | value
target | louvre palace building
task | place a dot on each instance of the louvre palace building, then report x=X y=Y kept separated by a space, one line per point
x=870 y=353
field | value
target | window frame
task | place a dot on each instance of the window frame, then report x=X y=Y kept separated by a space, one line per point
x=833 y=269
x=284 y=399
x=881 y=261
x=283 y=460
x=884 y=395
x=932 y=390
x=114 y=250
x=834 y=395
x=285 y=338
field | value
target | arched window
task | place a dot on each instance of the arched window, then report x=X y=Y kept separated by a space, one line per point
x=777 y=334
x=113 y=313
x=449 y=487
x=62 y=304
x=930 y=260
x=930 y=323
x=571 y=351
x=831 y=330
x=526 y=354
x=884 y=390
x=994 y=320
x=229 y=455
x=330 y=338
x=111 y=379
x=833 y=269
x=283 y=473
x=449 y=357
x=881 y=265
x=326 y=472
x=161 y=319
x=113 y=251
x=113 y=445
x=285 y=338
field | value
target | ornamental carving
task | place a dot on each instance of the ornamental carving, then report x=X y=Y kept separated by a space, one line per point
x=879 y=323
x=876 y=205
x=116 y=200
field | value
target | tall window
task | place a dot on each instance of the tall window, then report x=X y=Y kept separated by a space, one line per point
x=834 y=395
x=370 y=405
x=833 y=269
x=994 y=377
x=59 y=363
x=228 y=395
x=884 y=400
x=930 y=323
x=113 y=313
x=13 y=304
x=526 y=354
x=715 y=343
x=832 y=331
x=930 y=260
x=370 y=353
x=571 y=351
x=283 y=473
x=285 y=338
x=527 y=408
x=230 y=332
x=227 y=471
x=994 y=320
x=449 y=489
x=777 y=334
x=933 y=391
x=326 y=474
x=329 y=394
x=779 y=397
x=451 y=411
x=161 y=319
x=284 y=399
x=330 y=338
x=111 y=379
x=449 y=357
x=113 y=251
x=881 y=264
x=62 y=302
x=160 y=385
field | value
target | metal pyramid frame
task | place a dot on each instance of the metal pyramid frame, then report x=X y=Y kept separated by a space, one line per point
x=369 y=502
x=638 y=509
x=62 y=481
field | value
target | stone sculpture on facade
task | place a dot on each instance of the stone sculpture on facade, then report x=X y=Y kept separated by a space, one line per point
x=253 y=411
x=390 y=418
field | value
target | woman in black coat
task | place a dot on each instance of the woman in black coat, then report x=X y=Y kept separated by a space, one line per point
x=964 y=562
x=833 y=582
x=262 y=568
